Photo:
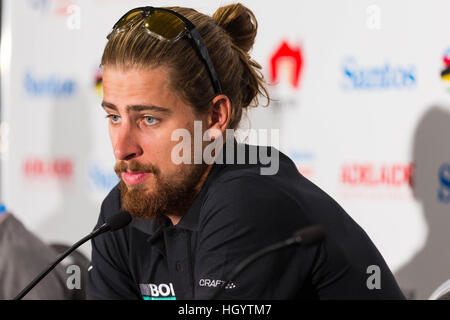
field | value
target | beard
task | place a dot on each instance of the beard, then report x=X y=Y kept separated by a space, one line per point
x=168 y=197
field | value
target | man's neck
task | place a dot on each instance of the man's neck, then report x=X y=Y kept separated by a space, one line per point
x=176 y=218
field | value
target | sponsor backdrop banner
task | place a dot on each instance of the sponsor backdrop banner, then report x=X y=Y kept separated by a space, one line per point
x=361 y=95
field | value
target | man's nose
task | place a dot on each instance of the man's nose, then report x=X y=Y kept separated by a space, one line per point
x=127 y=146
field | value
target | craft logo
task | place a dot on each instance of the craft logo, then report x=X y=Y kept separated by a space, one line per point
x=59 y=168
x=285 y=67
x=162 y=291
x=49 y=86
x=370 y=175
x=98 y=82
x=102 y=179
x=214 y=283
x=381 y=77
x=444 y=183
x=445 y=74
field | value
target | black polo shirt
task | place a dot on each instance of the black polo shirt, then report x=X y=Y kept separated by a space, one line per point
x=237 y=212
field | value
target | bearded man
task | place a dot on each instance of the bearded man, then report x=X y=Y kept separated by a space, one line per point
x=164 y=71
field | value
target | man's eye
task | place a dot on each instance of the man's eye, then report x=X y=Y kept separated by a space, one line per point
x=113 y=118
x=149 y=121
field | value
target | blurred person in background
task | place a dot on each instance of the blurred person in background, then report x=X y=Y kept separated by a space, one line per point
x=22 y=257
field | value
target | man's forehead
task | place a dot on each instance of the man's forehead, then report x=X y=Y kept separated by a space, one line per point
x=136 y=87
x=136 y=78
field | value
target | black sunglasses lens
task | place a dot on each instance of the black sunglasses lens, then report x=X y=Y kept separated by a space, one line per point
x=164 y=24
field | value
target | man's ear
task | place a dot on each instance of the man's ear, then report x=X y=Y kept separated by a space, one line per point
x=219 y=113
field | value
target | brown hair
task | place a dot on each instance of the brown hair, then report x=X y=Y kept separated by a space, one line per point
x=229 y=35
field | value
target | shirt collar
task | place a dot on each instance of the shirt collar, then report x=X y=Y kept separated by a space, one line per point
x=190 y=218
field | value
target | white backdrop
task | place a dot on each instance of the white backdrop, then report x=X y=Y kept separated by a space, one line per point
x=361 y=106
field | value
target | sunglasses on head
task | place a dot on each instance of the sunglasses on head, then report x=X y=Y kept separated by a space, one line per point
x=168 y=25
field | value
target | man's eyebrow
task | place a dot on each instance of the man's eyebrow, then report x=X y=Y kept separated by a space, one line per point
x=109 y=105
x=137 y=108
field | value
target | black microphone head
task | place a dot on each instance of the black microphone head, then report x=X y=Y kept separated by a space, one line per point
x=119 y=220
x=310 y=235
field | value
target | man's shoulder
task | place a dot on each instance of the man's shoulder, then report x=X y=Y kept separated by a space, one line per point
x=245 y=185
x=240 y=191
x=244 y=196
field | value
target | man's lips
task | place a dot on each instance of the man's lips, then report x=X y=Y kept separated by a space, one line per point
x=134 y=177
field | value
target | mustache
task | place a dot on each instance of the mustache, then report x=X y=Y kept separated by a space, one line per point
x=134 y=166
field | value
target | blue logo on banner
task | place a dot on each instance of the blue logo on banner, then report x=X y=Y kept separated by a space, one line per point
x=444 y=183
x=381 y=77
x=50 y=86
x=102 y=180
x=301 y=155
x=39 y=4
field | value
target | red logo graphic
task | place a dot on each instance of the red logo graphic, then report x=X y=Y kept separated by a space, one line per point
x=56 y=168
x=62 y=7
x=294 y=55
x=372 y=175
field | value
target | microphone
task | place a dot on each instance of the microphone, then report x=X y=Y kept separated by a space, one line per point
x=305 y=237
x=116 y=222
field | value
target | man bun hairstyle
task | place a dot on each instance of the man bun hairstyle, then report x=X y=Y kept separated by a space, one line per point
x=229 y=35
x=239 y=23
